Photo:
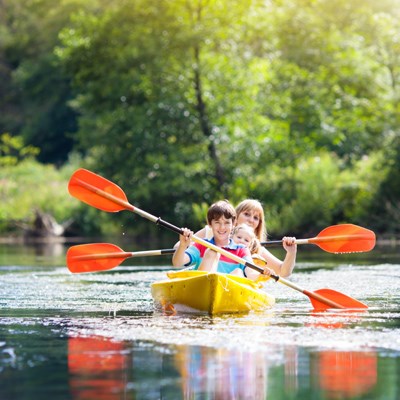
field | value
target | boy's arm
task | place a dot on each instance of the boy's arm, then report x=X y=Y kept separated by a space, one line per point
x=180 y=258
x=249 y=272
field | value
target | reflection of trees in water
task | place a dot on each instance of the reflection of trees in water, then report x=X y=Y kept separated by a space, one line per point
x=49 y=249
x=32 y=253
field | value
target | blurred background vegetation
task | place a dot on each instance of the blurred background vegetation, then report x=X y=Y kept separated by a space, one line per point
x=181 y=103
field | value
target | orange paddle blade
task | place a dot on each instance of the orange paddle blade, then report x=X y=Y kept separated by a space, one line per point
x=97 y=191
x=94 y=257
x=339 y=298
x=345 y=238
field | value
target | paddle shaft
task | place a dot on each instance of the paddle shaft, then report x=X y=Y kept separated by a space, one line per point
x=316 y=240
x=314 y=295
x=276 y=242
x=124 y=254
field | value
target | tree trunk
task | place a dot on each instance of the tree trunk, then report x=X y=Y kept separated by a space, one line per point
x=205 y=125
x=45 y=226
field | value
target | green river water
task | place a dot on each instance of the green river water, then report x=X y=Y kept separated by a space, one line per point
x=97 y=336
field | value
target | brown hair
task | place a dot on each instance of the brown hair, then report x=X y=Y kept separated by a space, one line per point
x=219 y=209
x=254 y=205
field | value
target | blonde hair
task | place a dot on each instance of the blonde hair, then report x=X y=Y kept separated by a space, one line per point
x=245 y=227
x=254 y=244
x=254 y=205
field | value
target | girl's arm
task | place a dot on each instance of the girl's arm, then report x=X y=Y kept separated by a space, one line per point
x=282 y=268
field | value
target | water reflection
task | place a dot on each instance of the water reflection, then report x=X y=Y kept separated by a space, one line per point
x=335 y=319
x=100 y=368
x=97 y=368
x=291 y=369
x=343 y=374
x=221 y=374
x=224 y=374
x=33 y=254
x=346 y=374
x=50 y=249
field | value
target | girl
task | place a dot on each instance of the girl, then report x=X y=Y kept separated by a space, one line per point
x=245 y=235
x=251 y=212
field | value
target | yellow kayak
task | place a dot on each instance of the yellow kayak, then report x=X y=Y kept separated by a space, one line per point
x=212 y=293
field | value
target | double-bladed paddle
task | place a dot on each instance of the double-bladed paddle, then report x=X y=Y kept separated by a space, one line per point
x=107 y=196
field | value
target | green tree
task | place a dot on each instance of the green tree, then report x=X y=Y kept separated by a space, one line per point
x=327 y=89
x=37 y=92
x=13 y=150
x=183 y=103
x=166 y=94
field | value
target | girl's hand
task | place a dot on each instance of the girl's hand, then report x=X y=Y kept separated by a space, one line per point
x=289 y=244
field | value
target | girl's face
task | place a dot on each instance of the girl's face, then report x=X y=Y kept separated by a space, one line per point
x=221 y=229
x=242 y=237
x=249 y=217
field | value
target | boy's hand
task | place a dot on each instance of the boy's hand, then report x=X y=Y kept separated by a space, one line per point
x=186 y=237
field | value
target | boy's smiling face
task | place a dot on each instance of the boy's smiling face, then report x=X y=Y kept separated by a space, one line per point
x=222 y=228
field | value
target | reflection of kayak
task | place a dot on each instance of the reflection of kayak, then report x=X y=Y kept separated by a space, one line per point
x=212 y=293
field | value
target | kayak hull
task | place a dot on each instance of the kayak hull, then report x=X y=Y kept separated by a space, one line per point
x=210 y=293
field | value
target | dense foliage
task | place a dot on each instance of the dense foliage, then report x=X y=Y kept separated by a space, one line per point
x=293 y=102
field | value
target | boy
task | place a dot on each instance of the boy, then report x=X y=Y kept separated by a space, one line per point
x=221 y=218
